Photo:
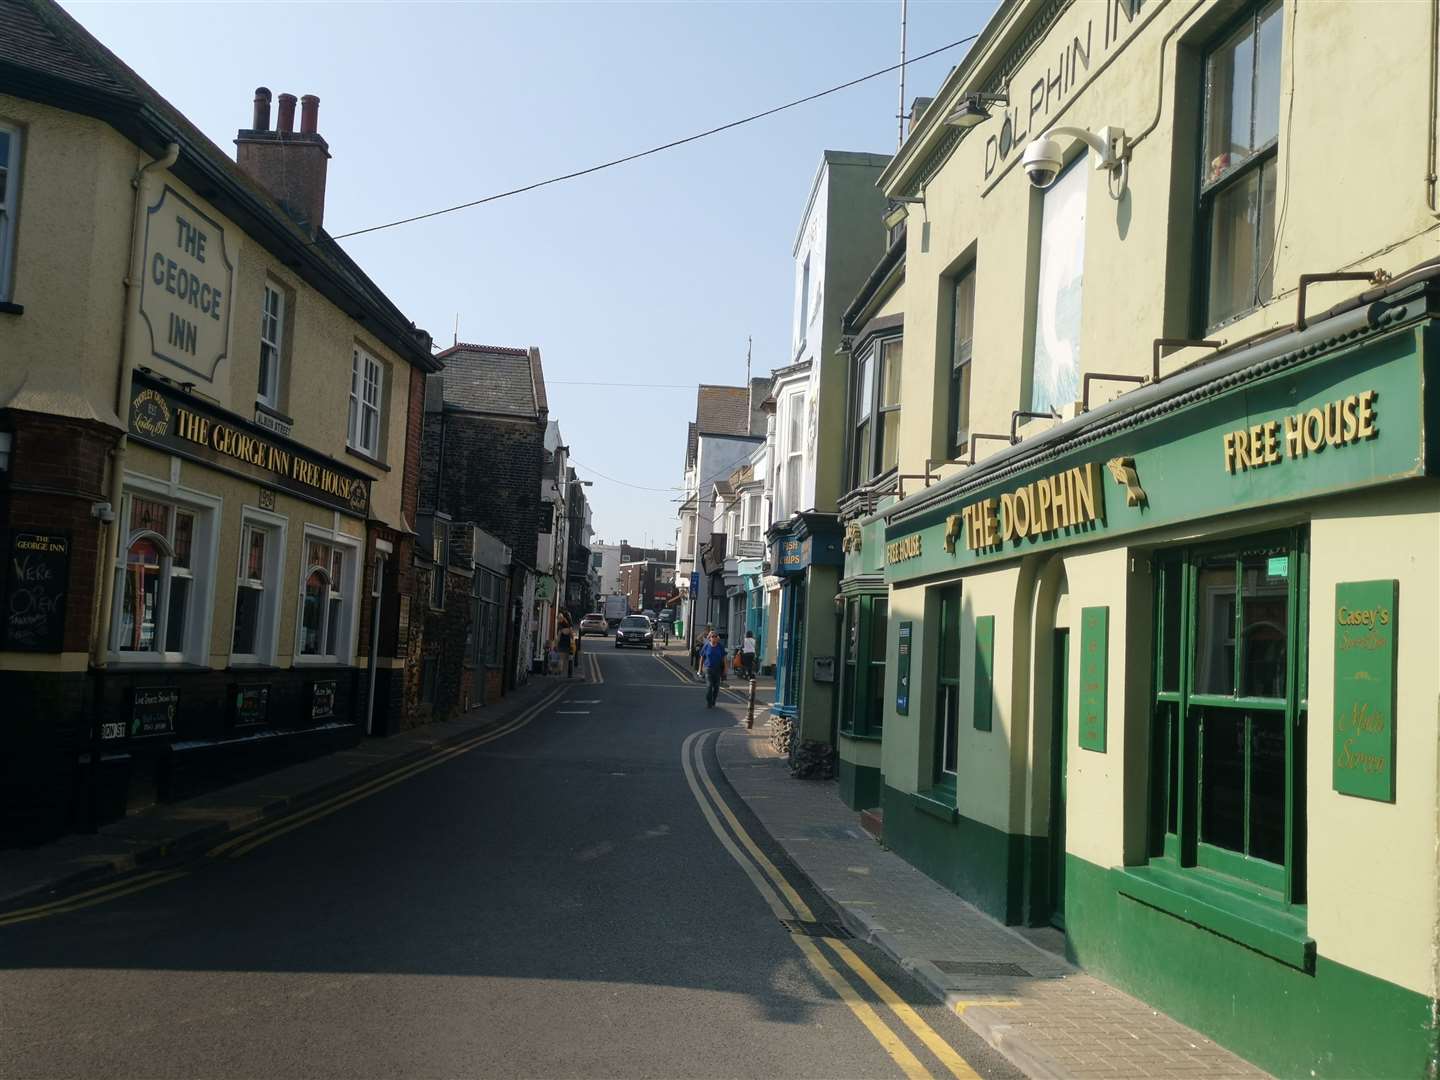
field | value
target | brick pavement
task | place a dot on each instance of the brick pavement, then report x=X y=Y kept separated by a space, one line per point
x=1048 y=1017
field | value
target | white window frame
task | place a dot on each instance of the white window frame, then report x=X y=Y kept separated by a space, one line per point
x=272 y=585
x=794 y=467
x=9 y=200
x=349 y=589
x=194 y=647
x=367 y=380
x=751 y=516
x=440 y=558
x=268 y=389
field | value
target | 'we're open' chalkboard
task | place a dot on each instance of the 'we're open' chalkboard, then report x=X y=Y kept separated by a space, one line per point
x=37 y=574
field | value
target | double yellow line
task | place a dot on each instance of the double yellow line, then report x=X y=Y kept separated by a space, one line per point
x=788 y=905
x=90 y=897
x=248 y=841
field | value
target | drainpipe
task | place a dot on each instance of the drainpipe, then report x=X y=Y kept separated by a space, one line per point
x=100 y=635
x=1432 y=119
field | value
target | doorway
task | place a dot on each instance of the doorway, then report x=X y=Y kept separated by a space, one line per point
x=1059 y=742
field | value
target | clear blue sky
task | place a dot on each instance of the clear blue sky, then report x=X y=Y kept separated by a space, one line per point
x=653 y=272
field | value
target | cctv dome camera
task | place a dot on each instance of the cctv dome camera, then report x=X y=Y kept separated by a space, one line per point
x=1043 y=161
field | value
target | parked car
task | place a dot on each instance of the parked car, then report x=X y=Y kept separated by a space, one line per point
x=649 y=613
x=667 y=615
x=635 y=630
x=594 y=623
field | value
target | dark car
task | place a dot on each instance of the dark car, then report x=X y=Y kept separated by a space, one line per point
x=635 y=630
x=594 y=623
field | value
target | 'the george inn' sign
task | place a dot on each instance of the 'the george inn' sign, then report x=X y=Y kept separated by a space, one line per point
x=187 y=425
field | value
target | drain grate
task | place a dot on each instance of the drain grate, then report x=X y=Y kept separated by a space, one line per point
x=815 y=929
x=979 y=967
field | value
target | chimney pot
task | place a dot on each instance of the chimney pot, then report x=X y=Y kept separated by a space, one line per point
x=261 y=120
x=286 y=123
x=309 y=114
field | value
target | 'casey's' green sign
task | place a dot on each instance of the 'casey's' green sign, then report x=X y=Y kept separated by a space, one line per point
x=1365 y=631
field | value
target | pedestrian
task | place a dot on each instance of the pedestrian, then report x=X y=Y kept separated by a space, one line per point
x=564 y=643
x=712 y=658
x=747 y=654
x=700 y=644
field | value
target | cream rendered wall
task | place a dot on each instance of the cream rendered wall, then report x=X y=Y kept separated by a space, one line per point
x=72 y=255
x=1351 y=169
x=72 y=242
x=903 y=759
x=1372 y=867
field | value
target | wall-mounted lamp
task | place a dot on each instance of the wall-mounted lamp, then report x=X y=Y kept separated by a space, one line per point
x=894 y=216
x=1045 y=158
x=974 y=109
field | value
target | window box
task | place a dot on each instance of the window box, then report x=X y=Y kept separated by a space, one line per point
x=938 y=802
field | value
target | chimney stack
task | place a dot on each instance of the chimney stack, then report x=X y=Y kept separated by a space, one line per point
x=290 y=165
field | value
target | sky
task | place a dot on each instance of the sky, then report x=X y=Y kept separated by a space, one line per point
x=654 y=272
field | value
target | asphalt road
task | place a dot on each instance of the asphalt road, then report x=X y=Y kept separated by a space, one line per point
x=552 y=903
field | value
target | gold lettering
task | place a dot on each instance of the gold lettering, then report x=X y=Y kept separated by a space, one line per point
x=1041 y=493
x=1058 y=501
x=1347 y=411
x=1272 y=452
x=1367 y=415
x=1294 y=439
x=1314 y=431
x=1021 y=508
x=1332 y=423
x=1242 y=449
x=1007 y=516
x=988 y=512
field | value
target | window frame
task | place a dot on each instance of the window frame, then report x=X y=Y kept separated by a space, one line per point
x=267 y=391
x=962 y=352
x=1179 y=714
x=947 y=688
x=346 y=591
x=1209 y=189
x=868 y=428
x=199 y=601
x=361 y=366
x=792 y=469
x=862 y=692
x=272 y=584
x=9 y=212
x=439 y=564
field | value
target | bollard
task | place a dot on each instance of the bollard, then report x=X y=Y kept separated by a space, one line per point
x=750 y=713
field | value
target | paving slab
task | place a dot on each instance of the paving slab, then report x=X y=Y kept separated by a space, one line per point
x=1052 y=1020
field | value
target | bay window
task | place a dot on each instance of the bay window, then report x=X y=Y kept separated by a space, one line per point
x=1238 y=164
x=876 y=410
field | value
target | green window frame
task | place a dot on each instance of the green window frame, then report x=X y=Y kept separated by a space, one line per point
x=862 y=692
x=1228 y=736
x=947 y=691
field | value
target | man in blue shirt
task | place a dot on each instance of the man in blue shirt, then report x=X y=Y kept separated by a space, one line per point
x=712 y=659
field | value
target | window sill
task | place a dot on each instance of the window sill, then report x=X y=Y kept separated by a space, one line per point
x=252 y=666
x=321 y=662
x=367 y=458
x=149 y=663
x=1266 y=928
x=7 y=308
x=863 y=736
x=938 y=802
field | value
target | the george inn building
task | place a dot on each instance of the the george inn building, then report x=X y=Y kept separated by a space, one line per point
x=1140 y=629
x=209 y=436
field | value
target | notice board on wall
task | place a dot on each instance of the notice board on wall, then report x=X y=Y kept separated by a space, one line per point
x=1364 y=731
x=1094 y=676
x=902 y=670
x=984 y=672
x=36 y=577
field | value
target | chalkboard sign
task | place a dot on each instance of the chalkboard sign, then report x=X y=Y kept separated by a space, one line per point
x=153 y=709
x=252 y=705
x=322 y=699
x=37 y=573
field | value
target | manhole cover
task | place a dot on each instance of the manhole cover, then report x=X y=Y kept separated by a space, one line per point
x=979 y=967
x=815 y=929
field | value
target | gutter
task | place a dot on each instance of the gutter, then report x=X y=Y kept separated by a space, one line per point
x=1353 y=318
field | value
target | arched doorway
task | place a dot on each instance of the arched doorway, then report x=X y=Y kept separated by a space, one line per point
x=1050 y=739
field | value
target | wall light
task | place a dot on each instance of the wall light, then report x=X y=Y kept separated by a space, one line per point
x=974 y=109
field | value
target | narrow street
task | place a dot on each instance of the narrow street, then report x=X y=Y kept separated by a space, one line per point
x=552 y=902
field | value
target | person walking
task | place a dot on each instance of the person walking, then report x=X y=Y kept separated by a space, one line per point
x=747 y=654
x=712 y=659
x=700 y=644
x=564 y=643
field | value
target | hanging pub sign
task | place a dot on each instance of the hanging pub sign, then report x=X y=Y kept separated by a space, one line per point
x=1365 y=632
x=37 y=572
x=185 y=286
x=170 y=419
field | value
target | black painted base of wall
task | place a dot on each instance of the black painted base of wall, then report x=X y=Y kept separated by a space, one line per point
x=48 y=785
x=859 y=785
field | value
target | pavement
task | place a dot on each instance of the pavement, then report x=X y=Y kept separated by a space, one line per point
x=170 y=830
x=1049 y=1018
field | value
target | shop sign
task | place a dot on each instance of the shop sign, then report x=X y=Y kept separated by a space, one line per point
x=153 y=709
x=1094 y=676
x=37 y=573
x=1313 y=431
x=322 y=699
x=792 y=556
x=1365 y=632
x=187 y=425
x=984 y=672
x=271 y=423
x=902 y=671
x=185 y=286
x=252 y=705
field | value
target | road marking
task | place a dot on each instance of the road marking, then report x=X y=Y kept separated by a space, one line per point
x=572 y=712
x=249 y=841
x=767 y=879
x=582 y=701
x=99 y=895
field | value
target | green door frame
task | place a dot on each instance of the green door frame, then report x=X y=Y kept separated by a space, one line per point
x=1059 y=759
